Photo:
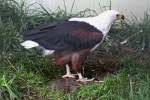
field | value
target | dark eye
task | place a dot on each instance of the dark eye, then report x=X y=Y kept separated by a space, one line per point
x=117 y=15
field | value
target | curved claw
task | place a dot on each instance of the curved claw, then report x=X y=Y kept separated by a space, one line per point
x=68 y=76
x=85 y=80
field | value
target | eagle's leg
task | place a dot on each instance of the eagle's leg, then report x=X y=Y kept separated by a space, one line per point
x=68 y=73
x=76 y=62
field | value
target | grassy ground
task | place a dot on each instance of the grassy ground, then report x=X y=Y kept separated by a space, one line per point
x=24 y=74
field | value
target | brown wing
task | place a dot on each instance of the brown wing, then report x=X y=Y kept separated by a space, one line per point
x=65 y=35
x=84 y=37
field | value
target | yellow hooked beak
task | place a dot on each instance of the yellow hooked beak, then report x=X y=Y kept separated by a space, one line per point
x=120 y=17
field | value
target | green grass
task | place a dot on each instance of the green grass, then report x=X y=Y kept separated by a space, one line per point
x=130 y=83
x=24 y=74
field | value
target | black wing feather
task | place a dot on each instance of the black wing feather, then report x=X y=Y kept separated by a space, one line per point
x=65 y=35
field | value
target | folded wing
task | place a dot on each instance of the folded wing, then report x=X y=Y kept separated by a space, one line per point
x=65 y=35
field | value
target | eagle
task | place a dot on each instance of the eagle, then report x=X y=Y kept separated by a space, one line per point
x=72 y=40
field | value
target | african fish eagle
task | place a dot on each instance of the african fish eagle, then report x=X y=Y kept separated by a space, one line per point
x=73 y=40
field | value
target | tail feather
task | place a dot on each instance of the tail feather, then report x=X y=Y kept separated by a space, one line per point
x=29 y=44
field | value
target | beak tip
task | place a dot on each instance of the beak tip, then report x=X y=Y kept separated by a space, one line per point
x=122 y=17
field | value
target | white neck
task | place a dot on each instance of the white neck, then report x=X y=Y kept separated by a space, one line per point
x=102 y=22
